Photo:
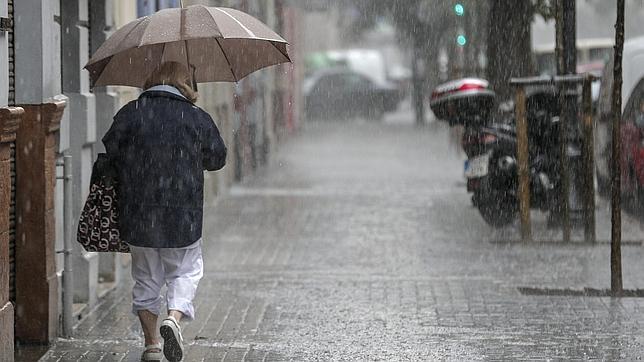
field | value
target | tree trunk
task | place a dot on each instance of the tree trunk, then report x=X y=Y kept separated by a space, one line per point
x=509 y=44
x=559 y=36
x=616 y=109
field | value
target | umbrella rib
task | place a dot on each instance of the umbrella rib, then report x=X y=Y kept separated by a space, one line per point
x=125 y=37
x=232 y=71
x=281 y=52
x=182 y=31
x=248 y=31
x=162 y=54
x=100 y=74
x=136 y=26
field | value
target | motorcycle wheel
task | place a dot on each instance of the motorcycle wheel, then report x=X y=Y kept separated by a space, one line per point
x=498 y=209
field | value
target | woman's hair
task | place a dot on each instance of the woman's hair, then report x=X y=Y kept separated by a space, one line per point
x=176 y=75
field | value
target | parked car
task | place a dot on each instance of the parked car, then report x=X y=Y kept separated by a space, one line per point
x=369 y=62
x=632 y=124
x=343 y=93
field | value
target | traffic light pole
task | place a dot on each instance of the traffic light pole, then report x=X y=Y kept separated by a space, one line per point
x=470 y=63
x=569 y=37
x=418 y=76
x=566 y=65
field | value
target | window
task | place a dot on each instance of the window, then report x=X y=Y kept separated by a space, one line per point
x=145 y=7
x=605 y=94
x=149 y=7
x=330 y=83
x=634 y=110
x=358 y=81
x=164 y=4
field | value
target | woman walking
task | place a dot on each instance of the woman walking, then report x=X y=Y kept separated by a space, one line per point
x=161 y=143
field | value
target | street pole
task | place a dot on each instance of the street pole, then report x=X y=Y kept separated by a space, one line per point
x=523 y=162
x=418 y=75
x=559 y=54
x=68 y=234
x=589 y=162
x=569 y=37
x=567 y=65
x=469 y=63
x=616 y=192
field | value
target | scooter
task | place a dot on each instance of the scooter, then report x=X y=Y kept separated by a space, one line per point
x=490 y=144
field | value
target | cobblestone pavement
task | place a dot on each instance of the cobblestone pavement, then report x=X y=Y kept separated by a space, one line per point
x=360 y=243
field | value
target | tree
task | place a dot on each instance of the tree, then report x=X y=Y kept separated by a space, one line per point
x=509 y=50
x=616 y=192
x=425 y=18
x=424 y=23
x=420 y=25
x=430 y=24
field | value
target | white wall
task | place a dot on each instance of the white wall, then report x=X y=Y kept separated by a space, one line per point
x=322 y=30
x=37 y=44
x=595 y=19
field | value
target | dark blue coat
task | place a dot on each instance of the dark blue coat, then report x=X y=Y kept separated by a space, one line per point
x=161 y=143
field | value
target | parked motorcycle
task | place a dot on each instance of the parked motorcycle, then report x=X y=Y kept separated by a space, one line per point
x=490 y=144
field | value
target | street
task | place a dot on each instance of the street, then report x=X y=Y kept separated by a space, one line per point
x=361 y=243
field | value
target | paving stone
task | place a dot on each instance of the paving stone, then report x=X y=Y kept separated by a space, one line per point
x=359 y=242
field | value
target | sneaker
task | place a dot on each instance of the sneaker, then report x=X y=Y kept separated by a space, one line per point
x=172 y=339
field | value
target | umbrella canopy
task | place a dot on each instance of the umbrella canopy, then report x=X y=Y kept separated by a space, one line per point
x=218 y=44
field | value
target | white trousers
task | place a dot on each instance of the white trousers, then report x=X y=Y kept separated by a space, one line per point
x=179 y=269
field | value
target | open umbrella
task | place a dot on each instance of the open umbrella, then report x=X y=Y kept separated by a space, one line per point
x=217 y=44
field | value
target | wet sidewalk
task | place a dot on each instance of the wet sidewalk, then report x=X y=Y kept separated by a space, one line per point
x=360 y=243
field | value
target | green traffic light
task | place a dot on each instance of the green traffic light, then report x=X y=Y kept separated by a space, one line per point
x=461 y=40
x=459 y=9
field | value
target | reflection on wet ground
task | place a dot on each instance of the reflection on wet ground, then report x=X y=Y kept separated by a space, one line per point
x=359 y=242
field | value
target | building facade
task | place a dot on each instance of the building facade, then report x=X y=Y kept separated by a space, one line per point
x=48 y=110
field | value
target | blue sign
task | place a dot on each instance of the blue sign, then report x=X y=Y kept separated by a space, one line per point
x=164 y=4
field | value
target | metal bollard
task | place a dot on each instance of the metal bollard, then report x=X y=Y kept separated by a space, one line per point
x=564 y=171
x=589 y=162
x=68 y=276
x=568 y=84
x=523 y=163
